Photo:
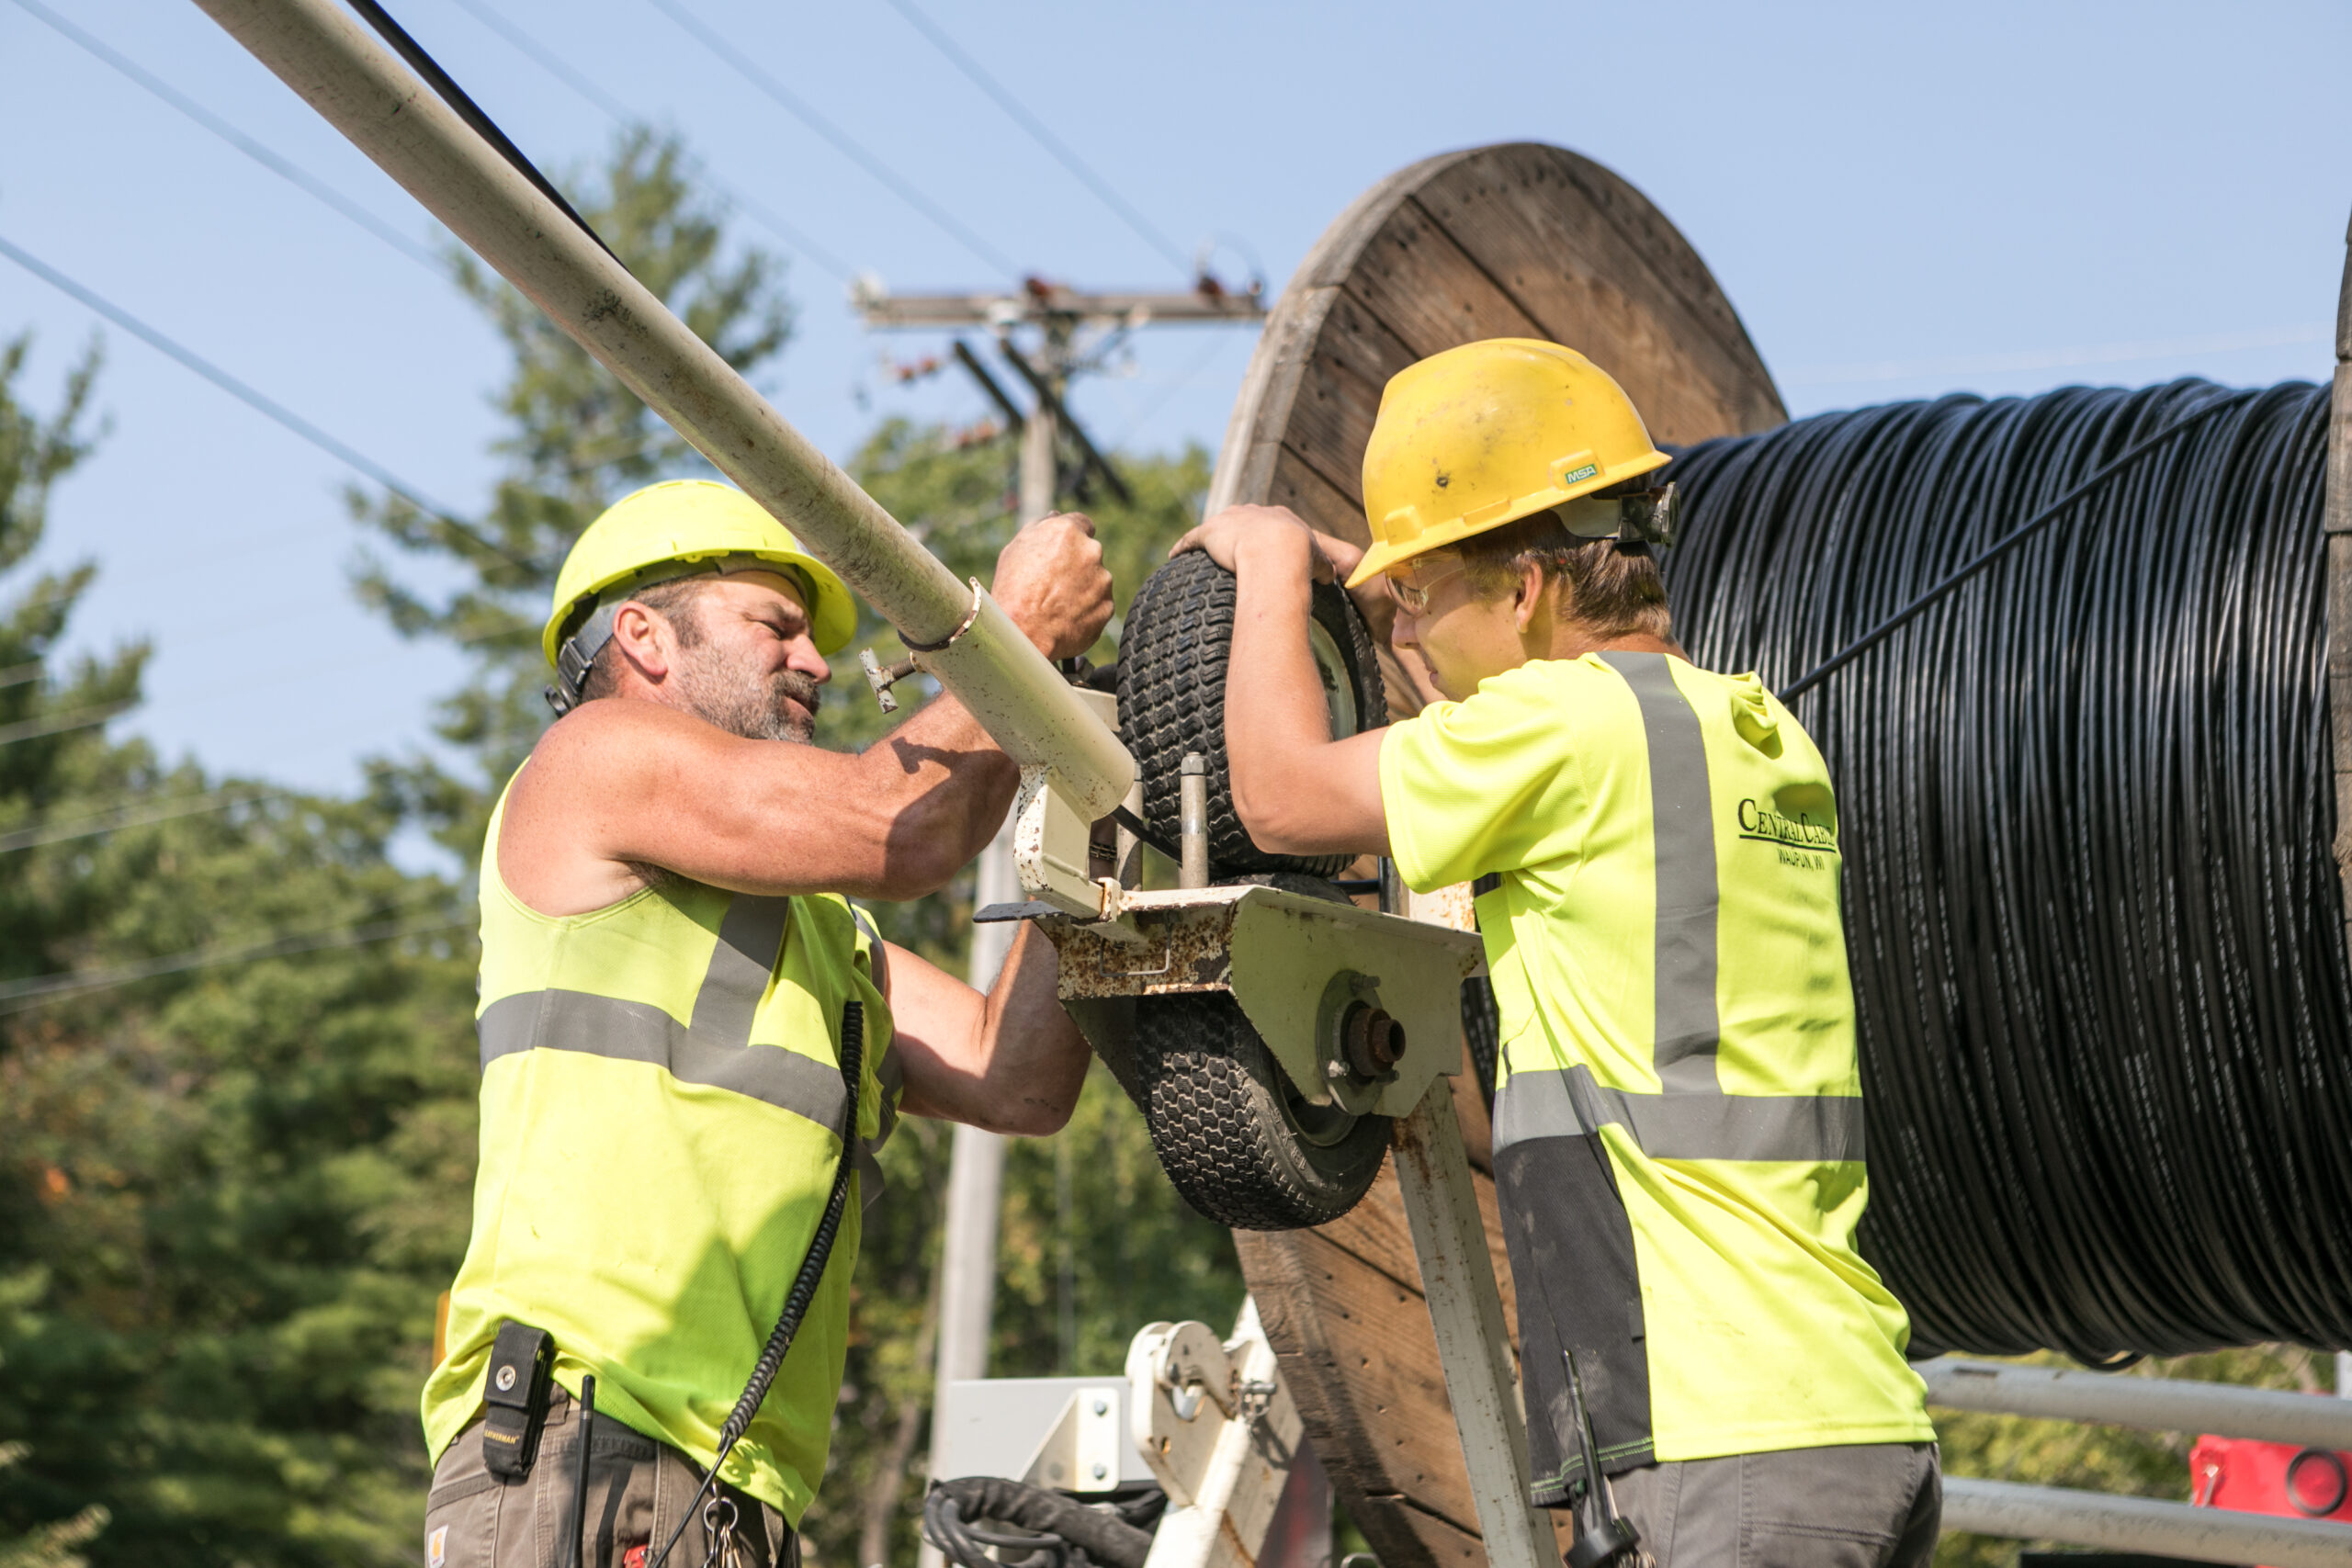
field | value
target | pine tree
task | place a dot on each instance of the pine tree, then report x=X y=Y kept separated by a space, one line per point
x=574 y=440
x=236 y=1118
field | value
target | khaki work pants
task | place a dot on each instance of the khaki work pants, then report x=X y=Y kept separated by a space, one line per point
x=638 y=1490
x=1857 y=1505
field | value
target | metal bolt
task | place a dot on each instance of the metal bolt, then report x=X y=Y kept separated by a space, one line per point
x=1100 y=1470
x=1192 y=820
x=1101 y=1408
x=1371 y=1041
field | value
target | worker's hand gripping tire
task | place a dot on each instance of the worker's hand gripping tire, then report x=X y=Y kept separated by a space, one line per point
x=1172 y=671
x=1237 y=1138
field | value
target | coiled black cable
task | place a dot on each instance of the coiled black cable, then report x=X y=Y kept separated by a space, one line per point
x=804 y=1283
x=2087 y=813
x=1054 y=1530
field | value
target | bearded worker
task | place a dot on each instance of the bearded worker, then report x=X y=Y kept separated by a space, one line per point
x=1653 y=848
x=669 y=962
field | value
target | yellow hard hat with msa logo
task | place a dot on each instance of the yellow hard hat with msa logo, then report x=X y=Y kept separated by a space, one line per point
x=681 y=528
x=1490 y=433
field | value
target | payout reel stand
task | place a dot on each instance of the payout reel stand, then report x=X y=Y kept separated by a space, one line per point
x=1362 y=1010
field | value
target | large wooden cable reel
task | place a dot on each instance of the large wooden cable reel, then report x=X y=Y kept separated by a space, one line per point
x=1518 y=240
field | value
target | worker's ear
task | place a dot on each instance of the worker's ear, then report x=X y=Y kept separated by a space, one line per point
x=645 y=640
x=1531 y=600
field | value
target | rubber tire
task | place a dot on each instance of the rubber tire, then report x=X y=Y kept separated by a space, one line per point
x=1214 y=1103
x=1172 y=659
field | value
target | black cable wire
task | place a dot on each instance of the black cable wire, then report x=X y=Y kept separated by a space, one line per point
x=766 y=81
x=268 y=407
x=804 y=1283
x=962 y=60
x=1109 y=1529
x=620 y=114
x=466 y=110
x=2095 y=926
x=283 y=168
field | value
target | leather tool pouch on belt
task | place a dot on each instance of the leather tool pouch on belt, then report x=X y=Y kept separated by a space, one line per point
x=522 y=1369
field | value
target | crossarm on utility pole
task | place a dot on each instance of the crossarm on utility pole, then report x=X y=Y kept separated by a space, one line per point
x=1473 y=1344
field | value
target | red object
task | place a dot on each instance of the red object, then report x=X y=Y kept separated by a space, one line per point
x=635 y=1556
x=2271 y=1478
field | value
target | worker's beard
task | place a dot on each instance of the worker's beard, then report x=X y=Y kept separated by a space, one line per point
x=745 y=700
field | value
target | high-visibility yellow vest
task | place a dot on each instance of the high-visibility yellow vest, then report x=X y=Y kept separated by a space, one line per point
x=1678 y=1143
x=661 y=1101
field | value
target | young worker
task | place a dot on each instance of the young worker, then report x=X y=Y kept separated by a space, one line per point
x=667 y=961
x=1654 y=850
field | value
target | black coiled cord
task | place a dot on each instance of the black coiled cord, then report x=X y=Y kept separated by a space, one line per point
x=1058 y=1531
x=804 y=1283
x=2087 y=814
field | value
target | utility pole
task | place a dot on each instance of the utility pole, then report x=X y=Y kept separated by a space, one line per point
x=975 y=1162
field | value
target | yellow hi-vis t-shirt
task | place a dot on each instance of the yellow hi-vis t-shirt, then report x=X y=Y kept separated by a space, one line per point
x=1655 y=848
x=662 y=1117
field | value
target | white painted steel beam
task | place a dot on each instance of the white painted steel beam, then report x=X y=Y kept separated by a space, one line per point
x=2061 y=1393
x=328 y=58
x=2141 y=1524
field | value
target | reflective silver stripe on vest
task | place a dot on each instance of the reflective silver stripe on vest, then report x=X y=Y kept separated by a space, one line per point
x=714 y=1050
x=1555 y=1103
x=1692 y=1118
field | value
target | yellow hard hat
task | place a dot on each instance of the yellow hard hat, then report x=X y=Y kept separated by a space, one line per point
x=683 y=528
x=1485 y=433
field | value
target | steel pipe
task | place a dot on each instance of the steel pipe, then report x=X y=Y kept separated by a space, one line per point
x=2141 y=1524
x=328 y=58
x=2154 y=1404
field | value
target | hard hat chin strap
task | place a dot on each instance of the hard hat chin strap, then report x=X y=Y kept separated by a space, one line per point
x=1644 y=518
x=578 y=654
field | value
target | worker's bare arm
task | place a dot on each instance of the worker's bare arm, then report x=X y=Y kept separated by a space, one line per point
x=618 y=787
x=1010 y=1061
x=1296 y=790
x=638 y=781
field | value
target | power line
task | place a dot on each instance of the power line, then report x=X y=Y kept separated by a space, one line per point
x=63 y=723
x=98 y=823
x=554 y=65
x=1043 y=138
x=1168 y=391
x=239 y=140
x=259 y=402
x=22 y=996
x=841 y=141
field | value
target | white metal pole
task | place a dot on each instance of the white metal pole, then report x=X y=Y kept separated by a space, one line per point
x=2344 y=1374
x=2160 y=1404
x=975 y=1161
x=2141 y=1524
x=328 y=58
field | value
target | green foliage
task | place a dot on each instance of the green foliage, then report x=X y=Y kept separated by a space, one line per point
x=575 y=440
x=2100 y=1458
x=572 y=441
x=1095 y=1243
x=228 y=1184
x=51 y=1545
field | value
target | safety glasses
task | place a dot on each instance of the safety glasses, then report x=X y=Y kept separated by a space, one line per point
x=1412 y=597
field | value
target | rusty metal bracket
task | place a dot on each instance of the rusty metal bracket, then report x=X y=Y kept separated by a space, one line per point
x=1331 y=989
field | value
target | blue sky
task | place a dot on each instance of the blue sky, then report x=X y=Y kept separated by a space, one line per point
x=1900 y=201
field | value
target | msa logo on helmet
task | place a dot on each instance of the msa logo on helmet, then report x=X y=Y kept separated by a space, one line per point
x=1580 y=475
